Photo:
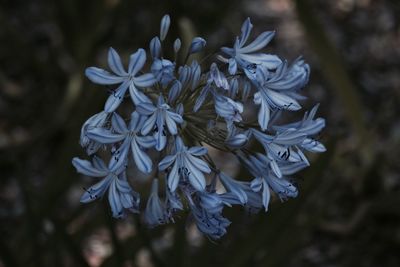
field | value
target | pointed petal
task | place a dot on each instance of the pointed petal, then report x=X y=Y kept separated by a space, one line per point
x=232 y=66
x=197 y=151
x=282 y=101
x=234 y=187
x=137 y=96
x=269 y=61
x=275 y=168
x=161 y=140
x=149 y=124
x=196 y=177
x=246 y=30
x=146 y=108
x=118 y=159
x=96 y=191
x=99 y=164
x=104 y=136
x=115 y=201
x=201 y=98
x=86 y=168
x=166 y=162
x=263 y=113
x=173 y=177
x=143 y=162
x=146 y=141
x=118 y=123
x=145 y=80
x=101 y=76
x=171 y=125
x=137 y=61
x=259 y=43
x=115 y=99
x=198 y=163
x=266 y=195
x=114 y=61
x=290 y=137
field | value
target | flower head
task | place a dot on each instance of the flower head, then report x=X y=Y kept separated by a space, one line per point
x=179 y=111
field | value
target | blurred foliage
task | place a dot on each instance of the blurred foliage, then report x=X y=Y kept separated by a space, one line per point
x=348 y=213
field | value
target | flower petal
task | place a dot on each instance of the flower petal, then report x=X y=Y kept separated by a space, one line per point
x=245 y=32
x=166 y=162
x=101 y=76
x=145 y=108
x=259 y=43
x=145 y=80
x=137 y=61
x=85 y=167
x=173 y=177
x=104 y=136
x=115 y=99
x=96 y=191
x=118 y=123
x=143 y=162
x=114 y=61
x=197 y=150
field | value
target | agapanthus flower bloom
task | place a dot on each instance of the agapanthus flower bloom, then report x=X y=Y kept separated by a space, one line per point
x=121 y=197
x=126 y=79
x=231 y=102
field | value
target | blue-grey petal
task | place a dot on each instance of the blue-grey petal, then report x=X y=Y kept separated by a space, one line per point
x=85 y=167
x=118 y=123
x=245 y=31
x=136 y=61
x=259 y=43
x=116 y=97
x=114 y=61
x=101 y=76
x=143 y=162
x=166 y=162
x=104 y=136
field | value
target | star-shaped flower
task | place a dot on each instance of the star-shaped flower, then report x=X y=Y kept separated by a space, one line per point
x=125 y=79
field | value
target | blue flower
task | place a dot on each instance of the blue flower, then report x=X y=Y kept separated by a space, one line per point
x=161 y=117
x=277 y=90
x=121 y=197
x=266 y=180
x=227 y=108
x=206 y=105
x=163 y=70
x=172 y=203
x=97 y=120
x=186 y=166
x=234 y=187
x=245 y=56
x=207 y=213
x=130 y=138
x=197 y=45
x=217 y=77
x=155 y=213
x=126 y=79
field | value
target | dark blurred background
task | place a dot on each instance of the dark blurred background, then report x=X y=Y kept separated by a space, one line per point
x=348 y=212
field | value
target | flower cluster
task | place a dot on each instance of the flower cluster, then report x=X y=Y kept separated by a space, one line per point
x=177 y=111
